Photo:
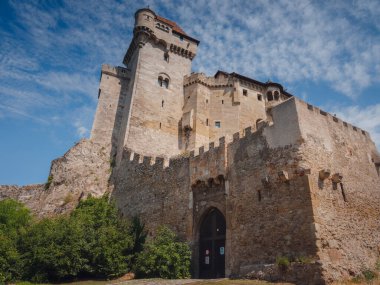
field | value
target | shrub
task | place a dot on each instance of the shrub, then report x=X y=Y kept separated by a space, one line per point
x=368 y=274
x=107 y=244
x=14 y=219
x=164 y=257
x=282 y=262
x=49 y=181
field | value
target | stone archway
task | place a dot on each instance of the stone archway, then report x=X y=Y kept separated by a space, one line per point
x=212 y=240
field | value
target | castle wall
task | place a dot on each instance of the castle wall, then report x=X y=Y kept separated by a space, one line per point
x=347 y=231
x=266 y=216
x=113 y=89
x=158 y=195
x=156 y=111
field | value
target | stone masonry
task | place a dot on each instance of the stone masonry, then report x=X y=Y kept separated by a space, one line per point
x=173 y=147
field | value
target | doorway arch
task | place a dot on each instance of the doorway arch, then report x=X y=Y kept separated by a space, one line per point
x=212 y=240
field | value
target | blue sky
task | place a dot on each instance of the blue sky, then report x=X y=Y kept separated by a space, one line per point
x=325 y=52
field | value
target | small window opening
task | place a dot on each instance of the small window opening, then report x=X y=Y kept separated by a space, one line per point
x=270 y=96
x=245 y=92
x=217 y=124
x=276 y=95
x=343 y=193
x=222 y=101
x=163 y=81
x=162 y=104
x=259 y=97
x=206 y=122
x=166 y=57
x=160 y=125
x=181 y=38
x=206 y=101
x=259 y=194
x=100 y=91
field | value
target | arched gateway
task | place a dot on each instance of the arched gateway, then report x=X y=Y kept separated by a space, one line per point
x=212 y=239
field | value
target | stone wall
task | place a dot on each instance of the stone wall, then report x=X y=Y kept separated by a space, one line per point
x=347 y=219
x=266 y=216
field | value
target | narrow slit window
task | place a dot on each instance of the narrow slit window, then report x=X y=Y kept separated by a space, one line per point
x=222 y=101
x=206 y=122
x=162 y=104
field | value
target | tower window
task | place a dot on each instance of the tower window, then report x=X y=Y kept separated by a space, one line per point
x=162 y=104
x=206 y=101
x=163 y=80
x=222 y=101
x=245 y=92
x=206 y=122
x=276 y=95
x=217 y=124
x=259 y=97
x=181 y=38
x=166 y=57
x=269 y=96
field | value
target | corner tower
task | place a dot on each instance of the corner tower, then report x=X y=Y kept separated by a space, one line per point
x=158 y=58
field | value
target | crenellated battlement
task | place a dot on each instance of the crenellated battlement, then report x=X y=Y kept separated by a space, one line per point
x=332 y=118
x=116 y=70
x=208 y=81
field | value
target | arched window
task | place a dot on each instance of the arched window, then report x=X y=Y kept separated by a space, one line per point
x=258 y=123
x=269 y=96
x=163 y=80
x=276 y=95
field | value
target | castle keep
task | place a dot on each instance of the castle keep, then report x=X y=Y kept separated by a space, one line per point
x=241 y=169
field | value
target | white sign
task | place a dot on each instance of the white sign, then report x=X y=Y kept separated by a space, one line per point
x=207 y=260
x=221 y=250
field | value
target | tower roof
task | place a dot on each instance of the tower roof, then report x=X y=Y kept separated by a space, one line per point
x=172 y=24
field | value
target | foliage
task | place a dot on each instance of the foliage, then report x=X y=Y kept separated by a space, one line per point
x=52 y=250
x=14 y=218
x=49 y=181
x=92 y=242
x=164 y=257
x=282 y=262
x=107 y=242
x=368 y=274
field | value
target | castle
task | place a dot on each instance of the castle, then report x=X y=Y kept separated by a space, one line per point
x=241 y=169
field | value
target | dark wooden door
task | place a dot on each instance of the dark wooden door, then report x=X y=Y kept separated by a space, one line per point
x=212 y=245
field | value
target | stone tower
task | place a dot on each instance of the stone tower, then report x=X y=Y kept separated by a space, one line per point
x=158 y=58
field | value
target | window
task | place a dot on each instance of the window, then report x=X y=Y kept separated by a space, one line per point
x=166 y=57
x=206 y=122
x=222 y=101
x=276 y=95
x=259 y=97
x=269 y=96
x=181 y=38
x=245 y=92
x=217 y=124
x=163 y=80
x=162 y=104
x=206 y=101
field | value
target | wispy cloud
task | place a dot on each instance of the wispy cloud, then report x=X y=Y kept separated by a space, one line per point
x=51 y=53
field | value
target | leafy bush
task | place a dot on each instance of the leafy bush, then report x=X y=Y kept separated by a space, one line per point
x=368 y=274
x=14 y=219
x=164 y=257
x=282 y=262
x=107 y=242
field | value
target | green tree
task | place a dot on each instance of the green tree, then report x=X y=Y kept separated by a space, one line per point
x=53 y=250
x=107 y=242
x=14 y=219
x=164 y=257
